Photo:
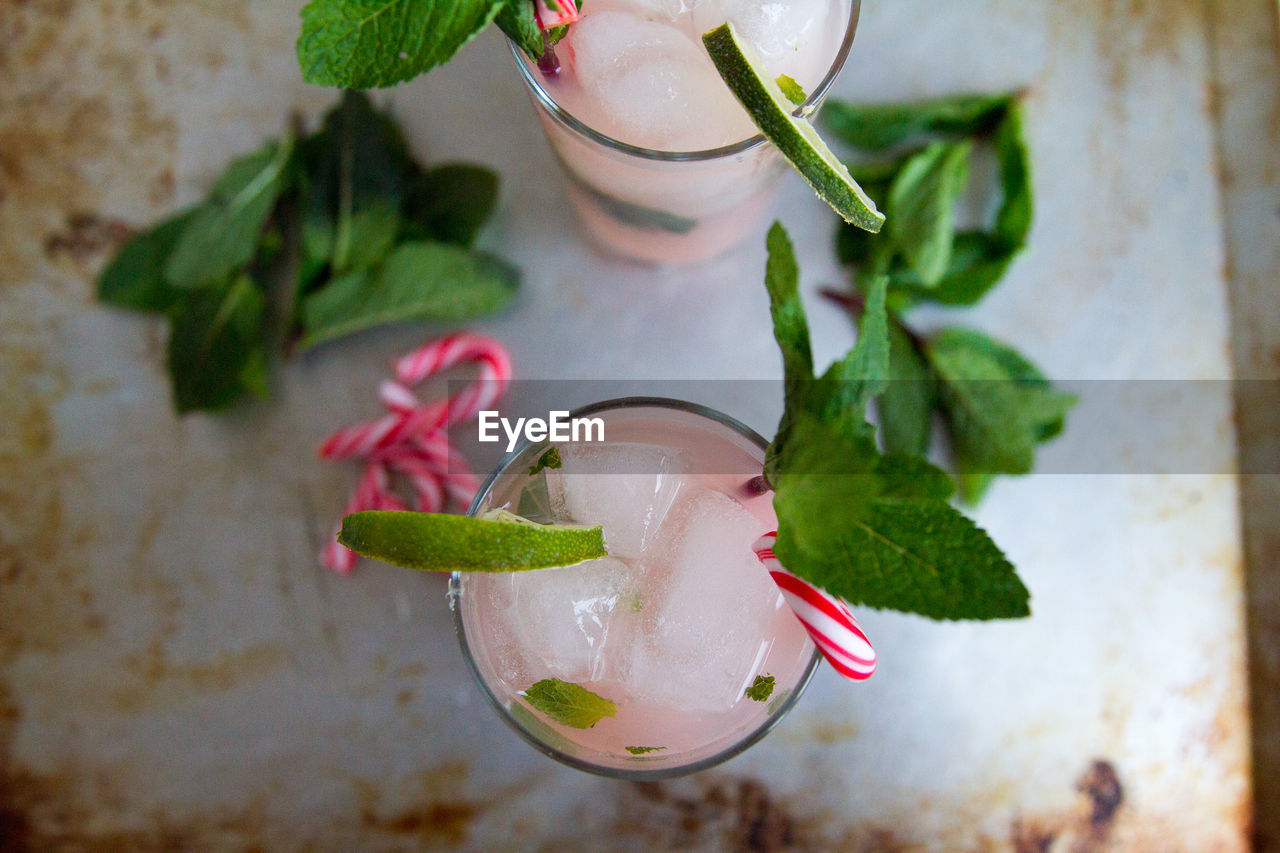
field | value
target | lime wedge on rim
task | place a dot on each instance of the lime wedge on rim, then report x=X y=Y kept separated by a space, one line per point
x=796 y=138
x=435 y=542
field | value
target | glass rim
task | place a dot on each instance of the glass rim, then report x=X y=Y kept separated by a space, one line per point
x=639 y=774
x=576 y=125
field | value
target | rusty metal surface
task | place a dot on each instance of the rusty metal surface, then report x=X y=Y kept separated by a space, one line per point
x=176 y=672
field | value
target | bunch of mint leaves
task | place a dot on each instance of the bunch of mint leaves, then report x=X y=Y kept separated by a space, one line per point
x=304 y=241
x=362 y=44
x=994 y=404
x=875 y=528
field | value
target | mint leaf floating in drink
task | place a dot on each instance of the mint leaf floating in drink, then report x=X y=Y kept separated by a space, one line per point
x=793 y=90
x=435 y=542
x=641 y=750
x=550 y=459
x=761 y=689
x=875 y=529
x=569 y=704
x=794 y=137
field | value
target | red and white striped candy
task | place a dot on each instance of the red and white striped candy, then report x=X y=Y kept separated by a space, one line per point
x=828 y=620
x=555 y=13
x=412 y=438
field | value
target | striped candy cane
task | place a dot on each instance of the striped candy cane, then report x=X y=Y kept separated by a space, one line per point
x=412 y=438
x=828 y=620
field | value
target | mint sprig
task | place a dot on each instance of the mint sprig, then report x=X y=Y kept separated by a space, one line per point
x=569 y=704
x=875 y=529
x=642 y=750
x=928 y=144
x=373 y=236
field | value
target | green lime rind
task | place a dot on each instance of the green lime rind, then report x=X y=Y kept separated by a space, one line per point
x=435 y=542
x=795 y=137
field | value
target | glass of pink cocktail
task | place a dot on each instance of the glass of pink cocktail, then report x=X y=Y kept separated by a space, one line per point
x=663 y=164
x=680 y=628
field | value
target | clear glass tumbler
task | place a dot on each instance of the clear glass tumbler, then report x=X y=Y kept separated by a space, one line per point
x=666 y=206
x=672 y=639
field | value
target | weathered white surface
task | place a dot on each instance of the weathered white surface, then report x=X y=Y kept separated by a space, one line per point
x=177 y=669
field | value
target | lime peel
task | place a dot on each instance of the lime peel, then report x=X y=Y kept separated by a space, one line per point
x=436 y=542
x=794 y=137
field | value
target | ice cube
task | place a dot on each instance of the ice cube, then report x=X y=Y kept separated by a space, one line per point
x=668 y=9
x=704 y=619
x=793 y=37
x=573 y=618
x=655 y=86
x=626 y=487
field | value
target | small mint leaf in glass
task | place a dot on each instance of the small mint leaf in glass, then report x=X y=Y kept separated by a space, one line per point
x=761 y=689
x=569 y=704
x=550 y=459
x=793 y=90
x=641 y=750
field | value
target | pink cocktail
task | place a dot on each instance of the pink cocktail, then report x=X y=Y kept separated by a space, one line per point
x=678 y=626
x=662 y=162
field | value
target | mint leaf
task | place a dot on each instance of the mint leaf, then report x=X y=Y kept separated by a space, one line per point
x=641 y=750
x=418 y=281
x=569 y=704
x=878 y=127
x=359 y=170
x=222 y=234
x=451 y=203
x=920 y=211
x=518 y=21
x=997 y=404
x=790 y=330
x=793 y=90
x=215 y=346
x=135 y=277
x=1013 y=221
x=761 y=689
x=538 y=728
x=906 y=407
x=360 y=44
x=850 y=383
x=550 y=459
x=871 y=528
x=918 y=555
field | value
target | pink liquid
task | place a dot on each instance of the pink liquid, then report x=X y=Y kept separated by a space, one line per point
x=666 y=96
x=701 y=709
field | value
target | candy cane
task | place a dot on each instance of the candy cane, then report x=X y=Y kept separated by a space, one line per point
x=555 y=13
x=828 y=620
x=412 y=438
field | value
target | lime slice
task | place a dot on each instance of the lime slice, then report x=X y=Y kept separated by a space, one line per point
x=798 y=141
x=435 y=542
